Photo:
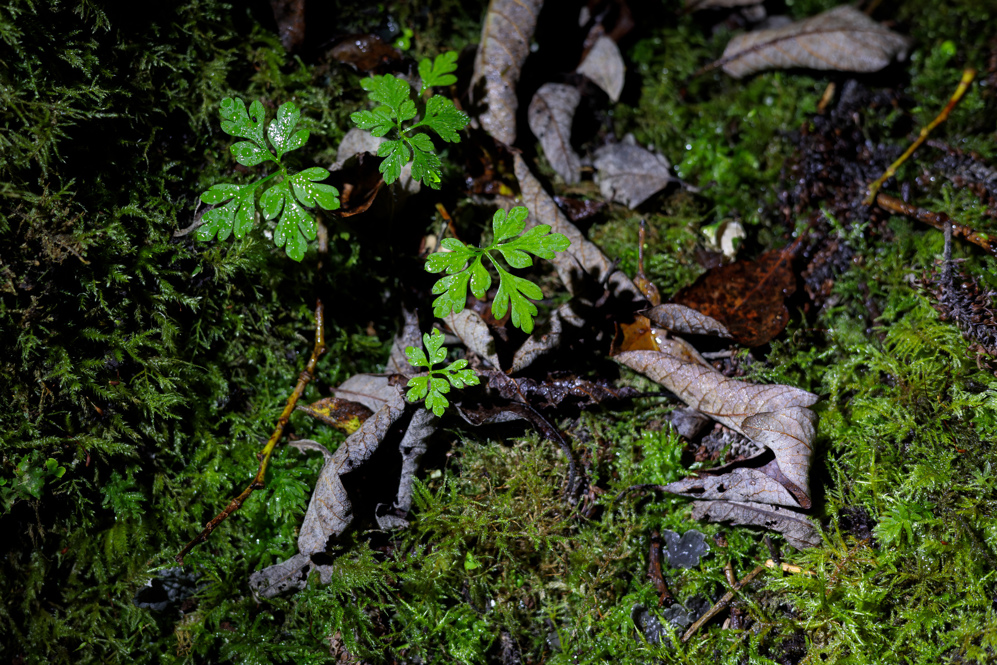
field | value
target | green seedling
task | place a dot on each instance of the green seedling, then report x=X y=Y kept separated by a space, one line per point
x=436 y=382
x=464 y=267
x=404 y=145
x=282 y=195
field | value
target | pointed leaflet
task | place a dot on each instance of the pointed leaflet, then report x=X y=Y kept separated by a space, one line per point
x=799 y=531
x=236 y=215
x=841 y=39
x=550 y=114
x=503 y=48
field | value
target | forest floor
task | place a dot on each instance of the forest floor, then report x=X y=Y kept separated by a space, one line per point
x=143 y=368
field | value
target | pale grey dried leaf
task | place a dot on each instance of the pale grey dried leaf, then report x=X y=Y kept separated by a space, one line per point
x=771 y=415
x=631 y=174
x=505 y=44
x=798 y=530
x=741 y=484
x=546 y=337
x=696 y=5
x=286 y=576
x=330 y=511
x=583 y=263
x=604 y=66
x=371 y=390
x=842 y=39
x=682 y=319
x=686 y=550
x=412 y=447
x=550 y=114
x=410 y=335
x=474 y=333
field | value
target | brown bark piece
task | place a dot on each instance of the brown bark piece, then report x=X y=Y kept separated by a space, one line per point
x=747 y=296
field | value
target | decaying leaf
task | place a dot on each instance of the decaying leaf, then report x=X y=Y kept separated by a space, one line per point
x=583 y=265
x=842 y=39
x=412 y=447
x=604 y=66
x=630 y=174
x=474 y=333
x=546 y=337
x=747 y=296
x=682 y=319
x=550 y=115
x=505 y=44
x=740 y=484
x=774 y=416
x=342 y=414
x=364 y=52
x=799 y=531
x=410 y=335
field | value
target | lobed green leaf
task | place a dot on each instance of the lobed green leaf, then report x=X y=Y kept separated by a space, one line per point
x=438 y=72
x=311 y=193
x=453 y=294
x=388 y=90
x=378 y=122
x=281 y=129
x=444 y=118
x=236 y=122
x=425 y=164
x=396 y=155
x=509 y=224
x=418 y=387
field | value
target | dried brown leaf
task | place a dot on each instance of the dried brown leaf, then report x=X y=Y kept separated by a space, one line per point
x=682 y=319
x=583 y=263
x=799 y=531
x=842 y=39
x=747 y=296
x=604 y=66
x=741 y=484
x=410 y=335
x=550 y=115
x=630 y=174
x=771 y=415
x=505 y=44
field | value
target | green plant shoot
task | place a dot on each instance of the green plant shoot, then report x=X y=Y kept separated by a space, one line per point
x=465 y=267
x=436 y=382
x=283 y=195
x=393 y=94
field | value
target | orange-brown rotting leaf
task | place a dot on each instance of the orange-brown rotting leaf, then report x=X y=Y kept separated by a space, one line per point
x=746 y=296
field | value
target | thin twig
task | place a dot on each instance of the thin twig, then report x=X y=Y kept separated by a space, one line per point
x=939 y=220
x=721 y=604
x=264 y=455
x=967 y=78
x=654 y=570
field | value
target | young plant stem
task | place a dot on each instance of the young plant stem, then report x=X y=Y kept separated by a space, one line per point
x=264 y=455
x=967 y=78
x=721 y=604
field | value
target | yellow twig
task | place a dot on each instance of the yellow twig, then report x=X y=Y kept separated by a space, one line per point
x=264 y=455
x=967 y=78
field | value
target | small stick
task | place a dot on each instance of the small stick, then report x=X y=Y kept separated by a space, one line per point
x=654 y=570
x=939 y=220
x=721 y=604
x=641 y=281
x=264 y=455
x=967 y=78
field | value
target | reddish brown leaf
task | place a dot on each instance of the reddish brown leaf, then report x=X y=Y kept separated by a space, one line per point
x=365 y=52
x=747 y=296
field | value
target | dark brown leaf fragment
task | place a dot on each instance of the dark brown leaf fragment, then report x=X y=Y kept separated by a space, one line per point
x=799 y=531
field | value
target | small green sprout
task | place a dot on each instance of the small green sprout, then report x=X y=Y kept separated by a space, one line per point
x=295 y=227
x=517 y=291
x=436 y=381
x=393 y=94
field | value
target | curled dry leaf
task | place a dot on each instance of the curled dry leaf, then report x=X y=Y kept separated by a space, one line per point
x=604 y=66
x=410 y=335
x=799 y=531
x=774 y=416
x=682 y=319
x=550 y=115
x=505 y=44
x=740 y=484
x=412 y=447
x=747 y=296
x=630 y=174
x=546 y=338
x=583 y=265
x=842 y=39
x=474 y=333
